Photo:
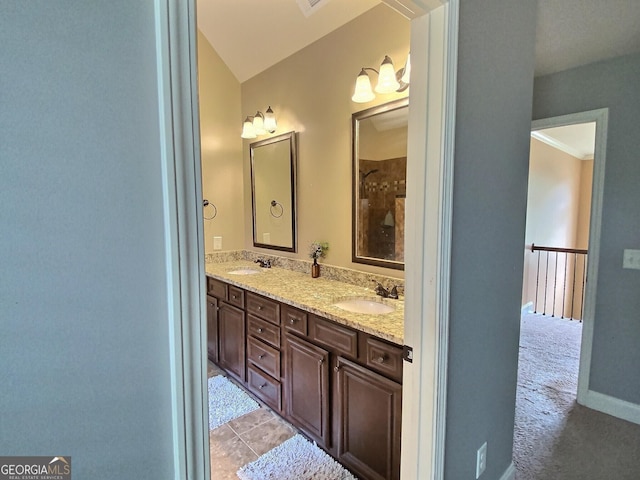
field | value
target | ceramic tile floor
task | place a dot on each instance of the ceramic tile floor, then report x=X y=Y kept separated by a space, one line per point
x=244 y=439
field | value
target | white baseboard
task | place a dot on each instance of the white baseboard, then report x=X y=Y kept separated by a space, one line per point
x=526 y=308
x=612 y=406
x=509 y=473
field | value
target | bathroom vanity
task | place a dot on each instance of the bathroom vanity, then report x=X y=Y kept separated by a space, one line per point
x=336 y=375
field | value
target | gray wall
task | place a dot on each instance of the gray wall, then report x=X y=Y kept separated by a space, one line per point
x=84 y=341
x=613 y=84
x=493 y=121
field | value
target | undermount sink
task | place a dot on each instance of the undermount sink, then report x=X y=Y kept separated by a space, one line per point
x=244 y=271
x=369 y=305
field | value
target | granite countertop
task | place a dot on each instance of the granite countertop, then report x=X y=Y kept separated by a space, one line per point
x=315 y=295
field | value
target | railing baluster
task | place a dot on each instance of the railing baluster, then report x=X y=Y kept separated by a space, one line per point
x=546 y=282
x=564 y=285
x=535 y=307
x=577 y=253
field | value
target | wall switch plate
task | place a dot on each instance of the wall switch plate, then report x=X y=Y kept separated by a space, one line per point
x=217 y=243
x=481 y=460
x=631 y=259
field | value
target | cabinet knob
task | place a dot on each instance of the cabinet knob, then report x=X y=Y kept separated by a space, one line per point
x=336 y=368
x=259 y=307
x=259 y=330
x=234 y=297
x=292 y=320
x=262 y=386
x=261 y=356
x=321 y=361
x=381 y=358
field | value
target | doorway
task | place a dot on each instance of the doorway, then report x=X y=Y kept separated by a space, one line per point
x=566 y=175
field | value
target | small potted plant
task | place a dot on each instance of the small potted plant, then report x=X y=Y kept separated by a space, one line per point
x=316 y=251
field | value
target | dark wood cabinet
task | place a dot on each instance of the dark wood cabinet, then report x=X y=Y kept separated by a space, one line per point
x=337 y=384
x=369 y=420
x=231 y=342
x=212 y=328
x=307 y=388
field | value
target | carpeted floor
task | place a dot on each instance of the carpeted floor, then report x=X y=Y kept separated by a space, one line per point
x=555 y=438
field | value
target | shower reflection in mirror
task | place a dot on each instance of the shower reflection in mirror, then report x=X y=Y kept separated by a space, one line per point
x=379 y=184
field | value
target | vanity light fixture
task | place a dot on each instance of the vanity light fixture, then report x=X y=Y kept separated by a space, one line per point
x=389 y=80
x=259 y=124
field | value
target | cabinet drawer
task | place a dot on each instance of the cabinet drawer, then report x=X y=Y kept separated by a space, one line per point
x=294 y=320
x=265 y=331
x=262 y=355
x=384 y=358
x=235 y=296
x=216 y=288
x=265 y=387
x=264 y=308
x=342 y=339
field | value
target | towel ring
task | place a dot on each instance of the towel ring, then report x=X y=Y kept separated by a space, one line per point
x=211 y=216
x=274 y=206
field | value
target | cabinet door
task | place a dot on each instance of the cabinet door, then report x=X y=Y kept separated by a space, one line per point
x=212 y=328
x=307 y=388
x=369 y=421
x=231 y=340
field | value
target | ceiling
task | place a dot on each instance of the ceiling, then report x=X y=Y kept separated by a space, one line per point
x=252 y=35
x=577 y=140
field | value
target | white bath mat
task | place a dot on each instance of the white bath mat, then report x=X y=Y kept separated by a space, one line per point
x=295 y=459
x=227 y=401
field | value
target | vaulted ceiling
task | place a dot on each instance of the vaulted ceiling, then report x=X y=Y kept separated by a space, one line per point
x=252 y=35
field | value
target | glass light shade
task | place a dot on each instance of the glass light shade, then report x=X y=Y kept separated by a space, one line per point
x=258 y=124
x=248 y=131
x=363 y=92
x=387 y=82
x=270 y=124
x=406 y=76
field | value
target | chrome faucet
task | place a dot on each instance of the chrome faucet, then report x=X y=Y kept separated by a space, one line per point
x=263 y=263
x=384 y=293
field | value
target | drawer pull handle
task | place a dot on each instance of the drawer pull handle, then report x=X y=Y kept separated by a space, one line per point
x=336 y=368
x=234 y=297
x=259 y=330
x=261 y=356
x=293 y=320
x=259 y=307
x=382 y=358
x=262 y=386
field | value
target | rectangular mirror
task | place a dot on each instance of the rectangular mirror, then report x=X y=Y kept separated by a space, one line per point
x=379 y=184
x=273 y=192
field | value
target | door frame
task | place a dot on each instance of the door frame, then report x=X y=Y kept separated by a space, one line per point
x=432 y=146
x=585 y=395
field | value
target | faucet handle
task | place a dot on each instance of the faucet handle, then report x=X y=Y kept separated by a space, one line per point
x=394 y=292
x=380 y=290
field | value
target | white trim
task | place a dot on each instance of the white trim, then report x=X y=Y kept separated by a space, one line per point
x=427 y=240
x=552 y=142
x=612 y=406
x=446 y=219
x=184 y=259
x=601 y=117
x=509 y=473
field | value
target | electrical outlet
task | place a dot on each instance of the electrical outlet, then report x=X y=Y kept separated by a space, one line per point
x=631 y=259
x=481 y=460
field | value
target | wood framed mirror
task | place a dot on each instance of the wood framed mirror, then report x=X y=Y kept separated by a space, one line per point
x=379 y=156
x=273 y=192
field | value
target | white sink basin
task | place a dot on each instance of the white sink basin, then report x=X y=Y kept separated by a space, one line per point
x=244 y=271
x=371 y=306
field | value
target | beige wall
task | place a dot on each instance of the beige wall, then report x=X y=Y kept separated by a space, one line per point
x=222 y=161
x=310 y=92
x=558 y=205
